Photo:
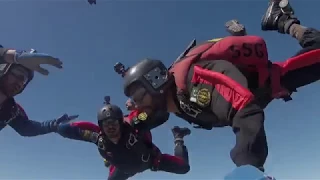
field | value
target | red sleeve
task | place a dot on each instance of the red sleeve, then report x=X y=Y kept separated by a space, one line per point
x=84 y=125
x=130 y=117
x=112 y=170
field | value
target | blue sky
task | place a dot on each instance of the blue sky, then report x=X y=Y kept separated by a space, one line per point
x=90 y=39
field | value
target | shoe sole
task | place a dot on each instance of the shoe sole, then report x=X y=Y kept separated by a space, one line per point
x=235 y=28
x=286 y=7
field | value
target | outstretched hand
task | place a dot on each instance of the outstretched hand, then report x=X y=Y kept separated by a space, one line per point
x=33 y=61
x=66 y=118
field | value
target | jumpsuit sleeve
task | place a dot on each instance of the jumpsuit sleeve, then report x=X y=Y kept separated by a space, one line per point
x=142 y=120
x=83 y=131
x=29 y=128
x=26 y=127
x=157 y=119
x=131 y=117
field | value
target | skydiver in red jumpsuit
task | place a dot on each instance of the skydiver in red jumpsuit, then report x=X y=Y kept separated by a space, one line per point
x=229 y=82
x=127 y=149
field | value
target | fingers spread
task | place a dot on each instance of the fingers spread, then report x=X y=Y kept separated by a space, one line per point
x=73 y=117
x=42 y=71
x=52 y=61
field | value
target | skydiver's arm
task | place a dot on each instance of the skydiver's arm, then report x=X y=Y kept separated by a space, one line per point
x=143 y=121
x=26 y=127
x=157 y=119
x=130 y=118
x=83 y=131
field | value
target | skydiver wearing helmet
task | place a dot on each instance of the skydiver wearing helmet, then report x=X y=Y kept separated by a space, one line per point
x=128 y=150
x=229 y=82
x=16 y=71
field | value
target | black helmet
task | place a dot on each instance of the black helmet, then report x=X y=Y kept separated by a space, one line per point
x=109 y=111
x=149 y=73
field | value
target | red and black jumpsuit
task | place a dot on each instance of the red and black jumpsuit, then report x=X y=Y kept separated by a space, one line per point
x=217 y=93
x=134 y=153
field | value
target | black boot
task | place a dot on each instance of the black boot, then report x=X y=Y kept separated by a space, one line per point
x=278 y=17
x=180 y=133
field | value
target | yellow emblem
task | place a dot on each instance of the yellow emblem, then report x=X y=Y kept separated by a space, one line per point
x=142 y=116
x=203 y=97
x=86 y=134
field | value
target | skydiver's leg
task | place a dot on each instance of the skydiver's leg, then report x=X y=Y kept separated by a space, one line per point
x=179 y=163
x=247 y=123
x=116 y=174
x=284 y=21
x=276 y=20
x=251 y=143
x=308 y=38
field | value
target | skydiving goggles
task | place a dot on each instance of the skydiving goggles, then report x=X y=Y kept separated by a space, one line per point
x=110 y=122
x=138 y=96
x=20 y=73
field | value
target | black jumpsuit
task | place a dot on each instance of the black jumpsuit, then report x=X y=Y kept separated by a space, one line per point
x=134 y=152
x=215 y=110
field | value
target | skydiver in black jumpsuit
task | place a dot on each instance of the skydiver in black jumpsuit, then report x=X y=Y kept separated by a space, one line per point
x=126 y=148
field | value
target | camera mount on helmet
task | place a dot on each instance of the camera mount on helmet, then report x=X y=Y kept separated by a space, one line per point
x=120 y=69
x=151 y=74
x=107 y=100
